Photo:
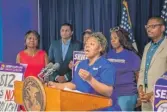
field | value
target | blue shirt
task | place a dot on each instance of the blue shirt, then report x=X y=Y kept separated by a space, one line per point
x=153 y=48
x=65 y=47
x=102 y=70
x=126 y=63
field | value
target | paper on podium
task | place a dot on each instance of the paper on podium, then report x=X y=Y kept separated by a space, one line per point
x=68 y=89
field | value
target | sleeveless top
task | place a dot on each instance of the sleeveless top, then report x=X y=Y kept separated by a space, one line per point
x=35 y=63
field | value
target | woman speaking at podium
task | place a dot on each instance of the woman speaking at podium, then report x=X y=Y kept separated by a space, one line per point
x=95 y=75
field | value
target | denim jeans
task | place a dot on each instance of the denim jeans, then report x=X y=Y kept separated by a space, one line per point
x=127 y=103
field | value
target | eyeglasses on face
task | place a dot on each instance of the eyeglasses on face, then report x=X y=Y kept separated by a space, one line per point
x=152 y=26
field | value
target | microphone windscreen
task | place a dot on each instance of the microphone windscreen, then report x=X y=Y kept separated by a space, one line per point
x=49 y=65
x=56 y=66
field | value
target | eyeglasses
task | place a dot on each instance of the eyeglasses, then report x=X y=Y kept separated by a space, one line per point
x=152 y=26
x=115 y=29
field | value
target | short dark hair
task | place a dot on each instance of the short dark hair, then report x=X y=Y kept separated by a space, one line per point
x=68 y=24
x=159 y=19
x=36 y=35
x=86 y=32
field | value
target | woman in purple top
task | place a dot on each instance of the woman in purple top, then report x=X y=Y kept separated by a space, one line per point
x=127 y=63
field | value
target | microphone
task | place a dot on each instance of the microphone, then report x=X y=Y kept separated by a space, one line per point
x=44 y=70
x=50 y=71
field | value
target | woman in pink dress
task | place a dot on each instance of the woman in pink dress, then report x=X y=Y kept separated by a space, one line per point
x=35 y=58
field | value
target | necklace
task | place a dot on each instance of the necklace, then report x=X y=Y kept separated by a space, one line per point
x=34 y=53
x=31 y=53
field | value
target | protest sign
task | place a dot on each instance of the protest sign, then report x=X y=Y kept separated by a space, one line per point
x=8 y=74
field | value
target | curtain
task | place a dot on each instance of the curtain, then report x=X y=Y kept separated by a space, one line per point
x=98 y=15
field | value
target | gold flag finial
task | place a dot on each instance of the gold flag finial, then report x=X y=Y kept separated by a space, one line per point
x=126 y=6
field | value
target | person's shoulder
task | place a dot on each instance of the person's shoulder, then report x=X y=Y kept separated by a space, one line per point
x=129 y=52
x=110 y=52
x=75 y=42
x=165 y=38
x=42 y=51
x=84 y=61
x=148 y=44
x=19 y=56
x=54 y=42
x=132 y=55
x=106 y=63
x=21 y=52
x=164 y=46
x=165 y=41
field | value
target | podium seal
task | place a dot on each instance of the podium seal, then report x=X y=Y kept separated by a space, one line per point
x=34 y=98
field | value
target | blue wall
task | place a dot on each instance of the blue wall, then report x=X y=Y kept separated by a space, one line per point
x=1 y=52
x=17 y=16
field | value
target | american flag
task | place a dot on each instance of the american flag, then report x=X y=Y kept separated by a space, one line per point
x=126 y=23
x=164 y=14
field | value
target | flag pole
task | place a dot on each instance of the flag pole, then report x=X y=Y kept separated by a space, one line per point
x=126 y=5
x=129 y=21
